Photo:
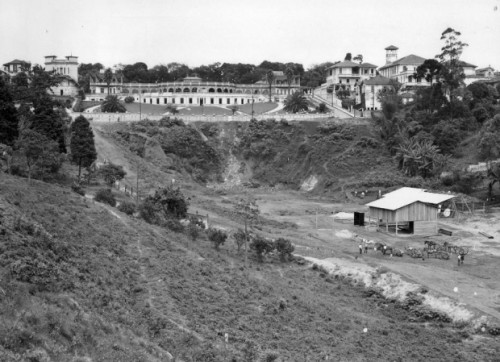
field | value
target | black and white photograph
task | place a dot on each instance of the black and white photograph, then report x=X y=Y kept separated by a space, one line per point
x=249 y=181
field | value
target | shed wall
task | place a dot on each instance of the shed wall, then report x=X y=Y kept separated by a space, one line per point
x=417 y=211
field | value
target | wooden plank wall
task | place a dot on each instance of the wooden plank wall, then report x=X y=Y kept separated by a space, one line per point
x=414 y=212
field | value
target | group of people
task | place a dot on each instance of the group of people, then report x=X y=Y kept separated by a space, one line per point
x=363 y=245
x=461 y=258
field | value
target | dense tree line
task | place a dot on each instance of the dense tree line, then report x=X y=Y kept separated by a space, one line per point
x=240 y=73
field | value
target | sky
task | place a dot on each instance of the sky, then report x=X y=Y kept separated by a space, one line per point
x=197 y=32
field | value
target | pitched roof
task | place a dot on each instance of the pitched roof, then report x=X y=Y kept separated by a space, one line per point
x=378 y=80
x=406 y=196
x=17 y=61
x=392 y=47
x=484 y=69
x=348 y=63
x=411 y=59
x=465 y=64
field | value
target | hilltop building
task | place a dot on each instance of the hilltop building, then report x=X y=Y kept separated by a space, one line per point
x=402 y=69
x=16 y=66
x=68 y=69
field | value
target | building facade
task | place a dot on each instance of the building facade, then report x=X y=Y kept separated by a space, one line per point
x=348 y=74
x=68 y=69
x=371 y=89
x=16 y=66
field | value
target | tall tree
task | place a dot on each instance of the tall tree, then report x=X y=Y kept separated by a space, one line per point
x=452 y=74
x=289 y=76
x=8 y=116
x=270 y=80
x=348 y=57
x=358 y=58
x=83 y=152
x=108 y=77
x=429 y=70
x=35 y=147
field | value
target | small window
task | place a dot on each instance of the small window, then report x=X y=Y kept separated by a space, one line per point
x=348 y=81
x=173 y=100
x=211 y=101
x=220 y=100
x=182 y=100
x=190 y=100
x=164 y=100
x=150 y=100
x=242 y=101
x=228 y=101
x=157 y=100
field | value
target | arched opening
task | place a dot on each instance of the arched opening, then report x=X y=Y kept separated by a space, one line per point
x=194 y=90
x=144 y=91
x=256 y=91
x=230 y=91
x=62 y=92
x=211 y=90
x=171 y=90
x=219 y=90
x=165 y=89
x=186 y=90
x=125 y=91
x=135 y=91
x=178 y=90
x=225 y=90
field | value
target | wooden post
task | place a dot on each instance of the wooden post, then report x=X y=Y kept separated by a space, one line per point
x=396 y=226
x=208 y=225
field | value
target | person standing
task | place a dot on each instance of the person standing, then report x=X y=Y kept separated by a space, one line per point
x=462 y=257
x=360 y=248
x=459 y=259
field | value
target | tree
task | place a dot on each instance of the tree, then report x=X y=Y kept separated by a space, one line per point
x=246 y=209
x=108 y=77
x=234 y=108
x=452 y=73
x=111 y=173
x=270 y=80
x=284 y=248
x=112 y=105
x=348 y=57
x=358 y=58
x=8 y=116
x=261 y=246
x=429 y=70
x=295 y=103
x=170 y=202
x=239 y=238
x=35 y=147
x=217 y=237
x=83 y=152
x=289 y=77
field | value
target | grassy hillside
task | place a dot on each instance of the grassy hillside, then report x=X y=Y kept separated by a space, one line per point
x=83 y=282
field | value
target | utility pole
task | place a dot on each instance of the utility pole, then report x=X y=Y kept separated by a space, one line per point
x=137 y=185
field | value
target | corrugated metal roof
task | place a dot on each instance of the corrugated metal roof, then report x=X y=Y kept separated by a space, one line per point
x=406 y=196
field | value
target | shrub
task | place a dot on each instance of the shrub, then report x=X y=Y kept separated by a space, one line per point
x=174 y=225
x=111 y=173
x=170 y=201
x=193 y=231
x=217 y=237
x=147 y=211
x=76 y=187
x=239 y=238
x=261 y=246
x=127 y=207
x=106 y=196
x=284 y=248
x=321 y=108
x=198 y=221
x=129 y=99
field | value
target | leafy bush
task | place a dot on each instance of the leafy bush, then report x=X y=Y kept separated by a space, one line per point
x=127 y=207
x=129 y=99
x=147 y=211
x=193 y=231
x=261 y=246
x=170 y=202
x=168 y=122
x=284 y=248
x=466 y=182
x=111 y=173
x=174 y=225
x=106 y=196
x=198 y=221
x=321 y=108
x=76 y=187
x=217 y=237
x=239 y=238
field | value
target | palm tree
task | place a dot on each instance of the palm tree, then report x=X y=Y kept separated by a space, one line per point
x=112 y=105
x=289 y=77
x=295 y=103
x=270 y=79
x=108 y=77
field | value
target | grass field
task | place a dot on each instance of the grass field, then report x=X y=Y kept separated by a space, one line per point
x=258 y=108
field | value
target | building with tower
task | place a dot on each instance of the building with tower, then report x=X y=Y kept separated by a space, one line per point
x=68 y=69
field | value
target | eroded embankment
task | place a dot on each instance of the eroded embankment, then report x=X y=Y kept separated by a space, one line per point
x=393 y=287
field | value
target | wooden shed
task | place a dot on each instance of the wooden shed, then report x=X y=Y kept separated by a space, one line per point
x=408 y=209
